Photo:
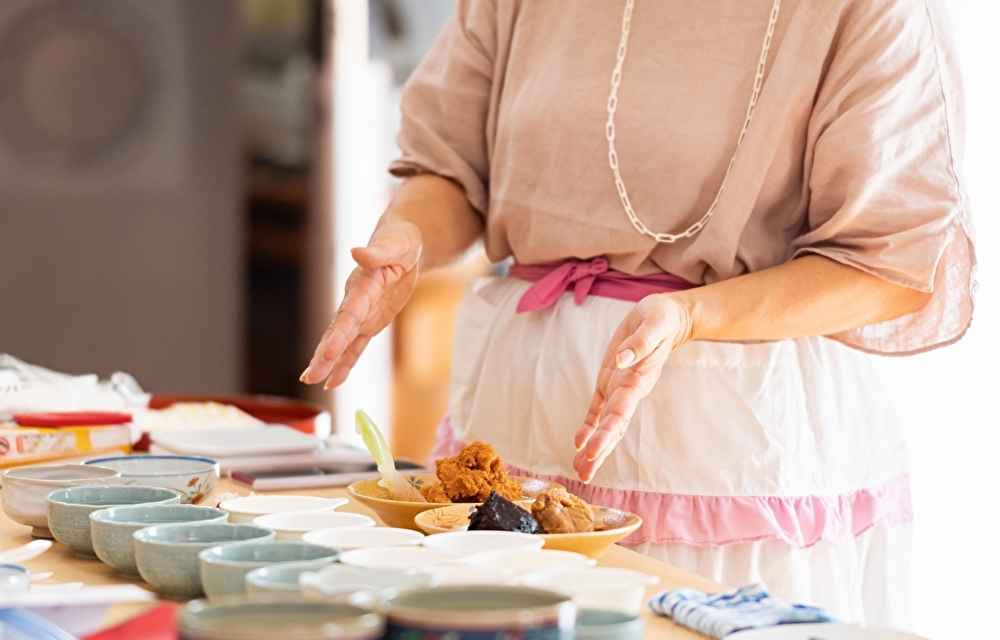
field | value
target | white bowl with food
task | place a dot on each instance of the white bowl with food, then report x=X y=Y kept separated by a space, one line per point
x=247 y=508
x=293 y=525
x=25 y=490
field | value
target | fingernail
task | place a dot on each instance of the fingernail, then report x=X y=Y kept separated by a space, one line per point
x=302 y=378
x=625 y=358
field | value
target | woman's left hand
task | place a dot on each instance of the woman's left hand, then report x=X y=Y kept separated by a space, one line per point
x=631 y=367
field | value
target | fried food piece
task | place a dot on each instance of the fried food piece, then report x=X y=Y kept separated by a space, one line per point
x=474 y=473
x=559 y=511
x=435 y=493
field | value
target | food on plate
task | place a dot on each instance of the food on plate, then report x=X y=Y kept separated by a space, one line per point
x=499 y=514
x=559 y=511
x=471 y=476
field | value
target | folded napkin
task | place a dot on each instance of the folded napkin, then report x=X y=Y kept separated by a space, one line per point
x=719 y=614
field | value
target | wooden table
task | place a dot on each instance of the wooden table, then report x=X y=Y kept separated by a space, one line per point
x=69 y=567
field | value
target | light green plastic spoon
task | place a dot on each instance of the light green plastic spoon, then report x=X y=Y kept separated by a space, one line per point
x=398 y=486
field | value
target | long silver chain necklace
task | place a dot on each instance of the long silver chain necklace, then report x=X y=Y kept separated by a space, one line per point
x=616 y=79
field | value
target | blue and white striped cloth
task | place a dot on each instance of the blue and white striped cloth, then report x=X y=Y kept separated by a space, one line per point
x=720 y=614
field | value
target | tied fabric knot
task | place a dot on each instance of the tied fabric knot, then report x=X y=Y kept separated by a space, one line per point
x=587 y=277
x=556 y=280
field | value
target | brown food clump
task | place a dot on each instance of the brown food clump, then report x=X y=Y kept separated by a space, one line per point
x=559 y=511
x=435 y=493
x=472 y=475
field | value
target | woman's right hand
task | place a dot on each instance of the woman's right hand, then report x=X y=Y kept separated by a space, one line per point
x=376 y=291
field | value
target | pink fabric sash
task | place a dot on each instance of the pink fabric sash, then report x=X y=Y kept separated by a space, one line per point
x=588 y=277
x=702 y=521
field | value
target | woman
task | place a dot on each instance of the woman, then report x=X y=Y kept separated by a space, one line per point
x=744 y=197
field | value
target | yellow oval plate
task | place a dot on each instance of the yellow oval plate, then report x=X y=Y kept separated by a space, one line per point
x=617 y=525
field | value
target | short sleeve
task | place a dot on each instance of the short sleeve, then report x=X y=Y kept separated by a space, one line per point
x=446 y=104
x=883 y=162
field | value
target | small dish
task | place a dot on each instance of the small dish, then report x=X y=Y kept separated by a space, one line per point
x=294 y=524
x=525 y=561
x=451 y=575
x=600 y=624
x=597 y=587
x=471 y=611
x=467 y=543
x=224 y=568
x=615 y=526
x=398 y=558
x=70 y=509
x=167 y=554
x=111 y=529
x=347 y=538
x=254 y=619
x=340 y=581
x=193 y=476
x=247 y=508
x=277 y=580
x=26 y=488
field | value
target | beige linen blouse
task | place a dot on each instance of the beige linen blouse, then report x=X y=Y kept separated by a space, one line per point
x=853 y=153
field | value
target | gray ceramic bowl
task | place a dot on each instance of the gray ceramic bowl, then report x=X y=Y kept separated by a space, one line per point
x=70 y=509
x=252 y=619
x=224 y=568
x=277 y=580
x=600 y=624
x=481 y=610
x=167 y=554
x=111 y=529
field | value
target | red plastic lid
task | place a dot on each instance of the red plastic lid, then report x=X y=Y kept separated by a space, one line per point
x=71 y=419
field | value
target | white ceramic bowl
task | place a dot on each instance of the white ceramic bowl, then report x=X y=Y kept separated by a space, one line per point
x=397 y=558
x=193 y=476
x=339 y=581
x=525 y=561
x=25 y=490
x=346 y=538
x=451 y=575
x=247 y=508
x=597 y=587
x=467 y=543
x=294 y=524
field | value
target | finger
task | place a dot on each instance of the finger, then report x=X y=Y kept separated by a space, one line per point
x=346 y=362
x=652 y=331
x=597 y=401
x=344 y=328
x=393 y=246
x=622 y=401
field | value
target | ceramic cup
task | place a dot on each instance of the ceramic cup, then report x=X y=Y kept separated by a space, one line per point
x=167 y=554
x=254 y=619
x=26 y=488
x=488 y=611
x=193 y=476
x=223 y=568
x=111 y=529
x=70 y=509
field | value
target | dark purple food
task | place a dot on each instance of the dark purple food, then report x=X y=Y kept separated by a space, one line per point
x=500 y=514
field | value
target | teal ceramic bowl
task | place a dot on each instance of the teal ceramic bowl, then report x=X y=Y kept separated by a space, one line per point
x=70 y=509
x=601 y=624
x=224 y=568
x=277 y=580
x=167 y=554
x=480 y=612
x=111 y=529
x=252 y=619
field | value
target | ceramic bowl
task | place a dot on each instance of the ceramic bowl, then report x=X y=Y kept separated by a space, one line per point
x=253 y=619
x=614 y=526
x=25 y=490
x=601 y=624
x=401 y=513
x=167 y=554
x=450 y=575
x=247 y=508
x=111 y=529
x=467 y=543
x=224 y=568
x=462 y=611
x=339 y=581
x=347 y=538
x=294 y=524
x=597 y=587
x=398 y=558
x=524 y=561
x=277 y=580
x=70 y=509
x=193 y=476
